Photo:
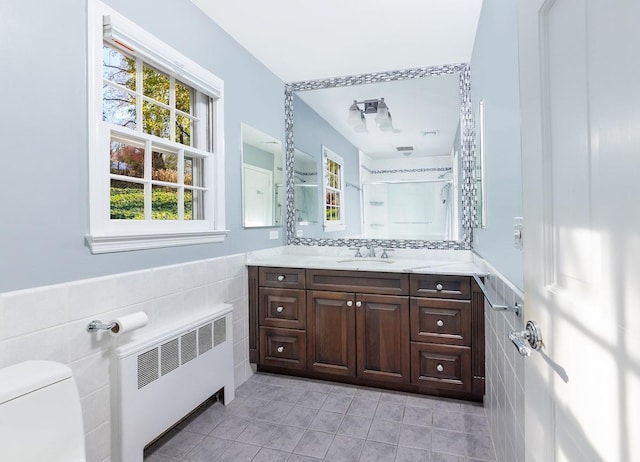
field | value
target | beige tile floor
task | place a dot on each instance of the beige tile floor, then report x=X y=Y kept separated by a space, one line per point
x=280 y=418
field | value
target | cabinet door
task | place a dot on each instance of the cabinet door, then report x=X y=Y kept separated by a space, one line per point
x=441 y=367
x=331 y=343
x=383 y=338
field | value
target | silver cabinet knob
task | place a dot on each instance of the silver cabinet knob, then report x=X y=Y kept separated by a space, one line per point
x=280 y=309
x=349 y=303
x=439 y=286
x=358 y=304
x=439 y=367
x=280 y=349
x=440 y=323
x=281 y=277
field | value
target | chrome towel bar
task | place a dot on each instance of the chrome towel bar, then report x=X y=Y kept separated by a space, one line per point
x=517 y=308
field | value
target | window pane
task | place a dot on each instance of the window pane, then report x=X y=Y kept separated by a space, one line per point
x=118 y=107
x=155 y=120
x=164 y=166
x=193 y=205
x=193 y=171
x=127 y=159
x=155 y=84
x=183 y=130
x=184 y=97
x=164 y=203
x=118 y=68
x=127 y=200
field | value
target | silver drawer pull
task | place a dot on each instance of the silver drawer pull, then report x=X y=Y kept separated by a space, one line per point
x=439 y=367
x=280 y=309
x=439 y=323
x=349 y=303
x=439 y=286
x=281 y=277
x=280 y=349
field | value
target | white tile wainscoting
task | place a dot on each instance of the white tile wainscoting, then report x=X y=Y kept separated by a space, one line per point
x=504 y=394
x=50 y=323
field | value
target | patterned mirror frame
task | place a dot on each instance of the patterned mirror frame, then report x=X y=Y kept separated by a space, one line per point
x=469 y=212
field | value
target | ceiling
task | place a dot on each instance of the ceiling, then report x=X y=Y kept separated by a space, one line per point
x=316 y=39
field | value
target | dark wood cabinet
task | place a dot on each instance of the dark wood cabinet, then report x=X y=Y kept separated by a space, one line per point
x=415 y=332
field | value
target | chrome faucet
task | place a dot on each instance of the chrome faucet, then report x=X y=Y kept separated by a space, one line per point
x=372 y=250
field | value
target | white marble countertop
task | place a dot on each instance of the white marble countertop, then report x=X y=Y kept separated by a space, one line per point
x=453 y=262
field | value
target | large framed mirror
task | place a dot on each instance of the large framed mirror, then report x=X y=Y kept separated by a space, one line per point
x=262 y=179
x=408 y=144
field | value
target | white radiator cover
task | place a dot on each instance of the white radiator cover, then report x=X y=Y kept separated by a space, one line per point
x=159 y=378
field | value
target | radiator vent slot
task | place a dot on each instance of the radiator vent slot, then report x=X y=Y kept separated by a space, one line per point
x=219 y=331
x=205 y=341
x=188 y=347
x=169 y=356
x=147 y=367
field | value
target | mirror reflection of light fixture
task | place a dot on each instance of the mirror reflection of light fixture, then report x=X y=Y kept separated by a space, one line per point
x=371 y=106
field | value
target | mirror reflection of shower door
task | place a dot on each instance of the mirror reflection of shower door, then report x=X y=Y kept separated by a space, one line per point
x=257 y=197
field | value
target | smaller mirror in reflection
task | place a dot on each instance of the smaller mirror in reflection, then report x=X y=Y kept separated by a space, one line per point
x=305 y=182
x=262 y=179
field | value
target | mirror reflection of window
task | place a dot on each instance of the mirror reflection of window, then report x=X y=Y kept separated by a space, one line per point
x=305 y=181
x=333 y=182
x=262 y=179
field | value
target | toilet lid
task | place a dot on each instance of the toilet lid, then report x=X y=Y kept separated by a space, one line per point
x=26 y=377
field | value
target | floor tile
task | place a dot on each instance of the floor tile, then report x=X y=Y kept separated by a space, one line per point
x=208 y=449
x=363 y=407
x=271 y=455
x=412 y=455
x=284 y=438
x=314 y=444
x=328 y=422
x=301 y=458
x=273 y=411
x=480 y=447
x=372 y=451
x=238 y=452
x=439 y=457
x=389 y=411
x=413 y=436
x=177 y=443
x=300 y=416
x=418 y=416
x=344 y=449
x=336 y=403
x=368 y=393
x=446 y=420
x=312 y=399
x=355 y=425
x=449 y=442
x=393 y=396
x=256 y=433
x=205 y=421
x=230 y=427
x=344 y=389
x=420 y=401
x=384 y=431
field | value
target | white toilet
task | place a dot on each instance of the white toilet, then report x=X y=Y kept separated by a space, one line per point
x=40 y=414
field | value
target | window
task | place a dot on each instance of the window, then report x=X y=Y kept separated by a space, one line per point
x=156 y=160
x=333 y=180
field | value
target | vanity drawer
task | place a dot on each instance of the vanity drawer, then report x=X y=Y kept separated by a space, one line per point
x=285 y=308
x=441 y=367
x=283 y=348
x=291 y=278
x=441 y=286
x=368 y=282
x=441 y=321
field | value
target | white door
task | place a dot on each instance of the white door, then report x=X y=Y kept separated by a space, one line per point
x=580 y=99
x=257 y=196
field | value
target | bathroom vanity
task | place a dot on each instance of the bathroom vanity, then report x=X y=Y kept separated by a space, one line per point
x=369 y=323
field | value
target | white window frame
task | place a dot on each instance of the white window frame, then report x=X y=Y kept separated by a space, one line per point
x=107 y=235
x=333 y=225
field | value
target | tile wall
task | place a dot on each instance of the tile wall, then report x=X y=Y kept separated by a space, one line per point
x=504 y=398
x=50 y=323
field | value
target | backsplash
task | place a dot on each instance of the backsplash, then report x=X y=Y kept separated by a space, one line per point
x=50 y=323
x=504 y=394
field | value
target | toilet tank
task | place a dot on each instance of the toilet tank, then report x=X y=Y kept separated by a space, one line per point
x=40 y=414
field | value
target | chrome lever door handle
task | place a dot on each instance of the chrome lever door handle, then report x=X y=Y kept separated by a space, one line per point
x=527 y=340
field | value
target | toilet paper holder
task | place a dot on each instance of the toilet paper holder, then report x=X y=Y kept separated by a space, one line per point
x=97 y=325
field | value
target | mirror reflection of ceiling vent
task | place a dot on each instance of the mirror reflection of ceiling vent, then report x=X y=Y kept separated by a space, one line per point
x=405 y=150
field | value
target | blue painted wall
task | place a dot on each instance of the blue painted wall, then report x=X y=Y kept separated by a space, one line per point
x=310 y=133
x=494 y=78
x=44 y=206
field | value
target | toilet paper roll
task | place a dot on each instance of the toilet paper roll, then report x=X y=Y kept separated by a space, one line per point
x=129 y=322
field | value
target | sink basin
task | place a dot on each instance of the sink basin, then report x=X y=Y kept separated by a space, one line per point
x=364 y=259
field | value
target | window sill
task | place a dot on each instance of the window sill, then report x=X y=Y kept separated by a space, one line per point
x=330 y=228
x=125 y=243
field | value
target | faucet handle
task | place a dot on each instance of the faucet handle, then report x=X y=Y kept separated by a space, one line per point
x=384 y=252
x=357 y=249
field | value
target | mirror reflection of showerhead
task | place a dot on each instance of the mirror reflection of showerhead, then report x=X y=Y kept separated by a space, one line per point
x=299 y=178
